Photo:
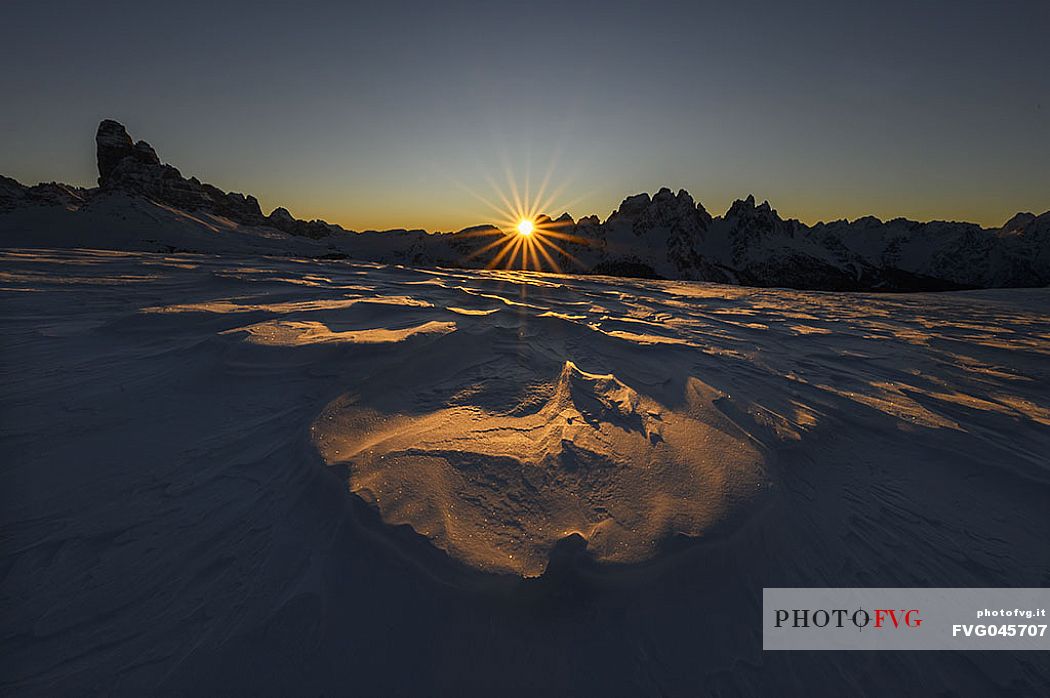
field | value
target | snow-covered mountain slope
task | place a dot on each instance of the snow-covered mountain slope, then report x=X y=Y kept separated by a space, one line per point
x=143 y=204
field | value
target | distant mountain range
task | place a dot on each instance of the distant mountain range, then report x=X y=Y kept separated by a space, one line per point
x=144 y=204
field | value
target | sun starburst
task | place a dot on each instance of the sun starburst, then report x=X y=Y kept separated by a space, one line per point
x=522 y=237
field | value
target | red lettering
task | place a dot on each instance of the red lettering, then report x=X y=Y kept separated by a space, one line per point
x=910 y=618
x=881 y=613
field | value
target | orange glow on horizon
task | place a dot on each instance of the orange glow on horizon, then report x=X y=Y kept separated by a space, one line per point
x=525 y=237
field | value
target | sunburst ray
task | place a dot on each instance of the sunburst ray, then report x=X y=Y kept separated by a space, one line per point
x=524 y=237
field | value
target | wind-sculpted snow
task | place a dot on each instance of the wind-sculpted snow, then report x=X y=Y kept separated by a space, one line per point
x=582 y=454
x=170 y=525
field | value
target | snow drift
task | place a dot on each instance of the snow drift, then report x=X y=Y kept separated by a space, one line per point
x=248 y=475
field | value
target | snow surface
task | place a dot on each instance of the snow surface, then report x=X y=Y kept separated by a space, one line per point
x=258 y=476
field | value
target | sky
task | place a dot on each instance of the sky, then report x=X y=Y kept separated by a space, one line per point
x=419 y=115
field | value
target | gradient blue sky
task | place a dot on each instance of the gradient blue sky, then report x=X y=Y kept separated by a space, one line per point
x=397 y=114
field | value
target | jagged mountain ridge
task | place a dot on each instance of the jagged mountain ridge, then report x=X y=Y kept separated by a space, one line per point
x=142 y=203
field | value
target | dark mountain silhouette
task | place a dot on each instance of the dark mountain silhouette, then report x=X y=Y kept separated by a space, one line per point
x=142 y=203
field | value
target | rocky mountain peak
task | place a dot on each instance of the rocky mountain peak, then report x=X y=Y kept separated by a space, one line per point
x=659 y=209
x=1019 y=221
x=664 y=196
x=746 y=208
x=741 y=208
x=281 y=216
x=112 y=144
x=13 y=195
x=632 y=206
x=144 y=153
x=130 y=167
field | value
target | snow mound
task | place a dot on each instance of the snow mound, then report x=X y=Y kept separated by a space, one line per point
x=498 y=489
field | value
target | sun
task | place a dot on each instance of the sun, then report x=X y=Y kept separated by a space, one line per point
x=523 y=237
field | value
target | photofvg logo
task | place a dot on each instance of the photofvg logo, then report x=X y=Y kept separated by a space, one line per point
x=860 y=618
x=896 y=619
